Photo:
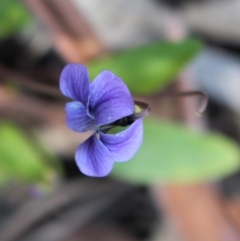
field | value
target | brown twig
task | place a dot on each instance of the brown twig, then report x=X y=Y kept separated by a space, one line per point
x=71 y=33
x=193 y=93
x=195 y=209
x=28 y=83
x=91 y=195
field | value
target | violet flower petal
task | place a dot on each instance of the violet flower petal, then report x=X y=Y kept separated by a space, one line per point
x=74 y=83
x=110 y=98
x=125 y=144
x=93 y=158
x=77 y=118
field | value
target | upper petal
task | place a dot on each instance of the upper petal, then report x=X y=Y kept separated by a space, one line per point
x=125 y=144
x=77 y=118
x=110 y=98
x=74 y=82
x=93 y=158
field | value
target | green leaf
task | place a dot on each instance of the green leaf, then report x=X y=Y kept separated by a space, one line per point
x=148 y=68
x=13 y=16
x=171 y=154
x=19 y=158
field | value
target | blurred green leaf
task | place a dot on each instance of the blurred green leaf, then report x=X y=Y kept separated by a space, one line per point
x=19 y=158
x=13 y=16
x=149 y=68
x=171 y=153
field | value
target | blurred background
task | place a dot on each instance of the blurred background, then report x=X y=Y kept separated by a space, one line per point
x=183 y=184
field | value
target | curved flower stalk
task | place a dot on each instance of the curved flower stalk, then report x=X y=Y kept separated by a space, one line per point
x=100 y=106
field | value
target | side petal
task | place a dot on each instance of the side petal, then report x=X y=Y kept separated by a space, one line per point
x=125 y=144
x=77 y=118
x=110 y=98
x=93 y=158
x=74 y=83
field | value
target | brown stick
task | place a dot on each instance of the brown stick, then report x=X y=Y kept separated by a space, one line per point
x=26 y=82
x=197 y=213
x=72 y=36
x=195 y=209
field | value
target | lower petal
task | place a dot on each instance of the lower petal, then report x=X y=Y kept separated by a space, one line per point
x=77 y=118
x=93 y=158
x=125 y=144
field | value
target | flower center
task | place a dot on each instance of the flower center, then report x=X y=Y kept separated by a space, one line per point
x=90 y=112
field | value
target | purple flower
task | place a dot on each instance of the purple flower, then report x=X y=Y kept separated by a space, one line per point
x=97 y=105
